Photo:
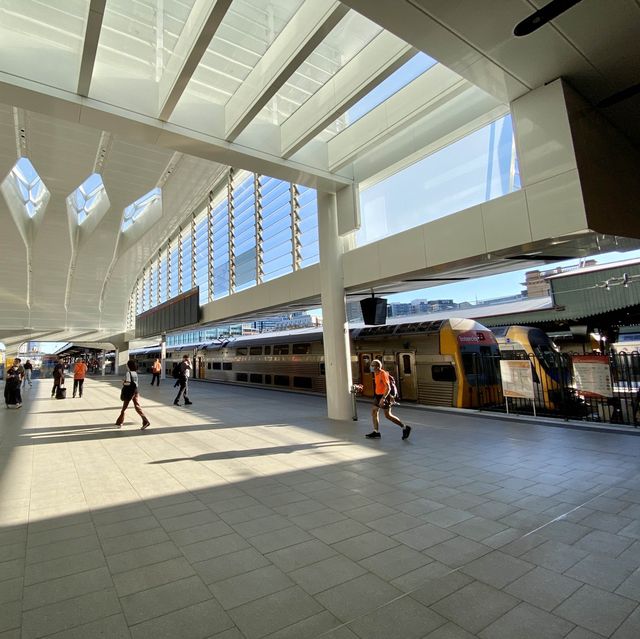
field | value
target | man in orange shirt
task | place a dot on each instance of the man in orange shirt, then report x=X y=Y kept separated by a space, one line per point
x=79 y=372
x=381 y=399
x=156 y=369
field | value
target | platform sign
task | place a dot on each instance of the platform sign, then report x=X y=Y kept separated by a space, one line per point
x=592 y=375
x=517 y=380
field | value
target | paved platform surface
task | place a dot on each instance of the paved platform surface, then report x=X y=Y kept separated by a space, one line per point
x=250 y=515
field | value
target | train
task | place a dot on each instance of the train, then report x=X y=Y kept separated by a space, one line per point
x=452 y=362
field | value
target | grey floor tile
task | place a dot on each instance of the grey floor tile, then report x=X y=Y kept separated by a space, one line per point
x=12 y=569
x=200 y=532
x=603 y=543
x=326 y=574
x=527 y=622
x=235 y=563
x=146 y=556
x=554 y=556
x=424 y=536
x=317 y=518
x=497 y=569
x=457 y=552
x=128 y=527
x=475 y=606
x=10 y=615
x=55 y=568
x=366 y=545
x=595 y=609
x=277 y=539
x=394 y=562
x=543 y=588
x=446 y=517
x=261 y=525
x=161 y=600
x=60 y=534
x=214 y=547
x=630 y=587
x=339 y=531
x=64 y=615
x=600 y=571
x=189 y=520
x=582 y=633
x=11 y=589
x=246 y=514
x=300 y=555
x=402 y=618
x=199 y=621
x=134 y=541
x=113 y=627
x=175 y=510
x=393 y=524
x=310 y=628
x=450 y=631
x=241 y=589
x=630 y=628
x=440 y=586
x=267 y=615
x=145 y=577
x=63 y=548
x=357 y=597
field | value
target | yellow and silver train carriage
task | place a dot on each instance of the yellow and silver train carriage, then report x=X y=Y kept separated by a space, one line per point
x=450 y=362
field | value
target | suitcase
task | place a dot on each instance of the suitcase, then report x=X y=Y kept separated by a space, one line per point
x=11 y=395
x=61 y=392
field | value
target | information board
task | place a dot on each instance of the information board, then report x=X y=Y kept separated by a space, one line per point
x=517 y=380
x=592 y=375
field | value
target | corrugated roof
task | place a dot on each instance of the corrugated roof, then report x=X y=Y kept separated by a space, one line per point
x=595 y=268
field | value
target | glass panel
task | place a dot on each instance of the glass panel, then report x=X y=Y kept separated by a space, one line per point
x=136 y=210
x=475 y=169
x=23 y=188
x=345 y=41
x=163 y=277
x=43 y=40
x=308 y=226
x=221 y=249
x=246 y=32
x=202 y=257
x=276 y=227
x=187 y=271
x=173 y=291
x=244 y=248
x=89 y=197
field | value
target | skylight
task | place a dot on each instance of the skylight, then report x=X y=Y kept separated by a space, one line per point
x=135 y=211
x=90 y=195
x=30 y=187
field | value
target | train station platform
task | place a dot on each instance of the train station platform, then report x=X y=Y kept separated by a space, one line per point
x=251 y=515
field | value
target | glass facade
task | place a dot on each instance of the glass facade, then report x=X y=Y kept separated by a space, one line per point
x=254 y=229
x=475 y=169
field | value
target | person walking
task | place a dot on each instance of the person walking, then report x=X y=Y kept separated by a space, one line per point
x=381 y=389
x=183 y=380
x=156 y=368
x=28 y=370
x=58 y=376
x=13 y=382
x=79 y=373
x=130 y=393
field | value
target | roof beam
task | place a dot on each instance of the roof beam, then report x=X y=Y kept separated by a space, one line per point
x=377 y=61
x=304 y=32
x=90 y=48
x=197 y=33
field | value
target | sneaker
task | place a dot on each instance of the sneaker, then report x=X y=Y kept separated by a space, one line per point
x=187 y=403
x=145 y=424
x=176 y=403
x=18 y=405
x=373 y=435
x=406 y=431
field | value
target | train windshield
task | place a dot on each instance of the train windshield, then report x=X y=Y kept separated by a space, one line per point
x=481 y=363
x=544 y=349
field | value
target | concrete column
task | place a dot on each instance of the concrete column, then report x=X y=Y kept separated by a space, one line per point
x=163 y=355
x=104 y=363
x=122 y=357
x=337 y=354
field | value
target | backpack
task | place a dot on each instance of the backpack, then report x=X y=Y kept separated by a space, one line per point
x=393 y=387
x=176 y=371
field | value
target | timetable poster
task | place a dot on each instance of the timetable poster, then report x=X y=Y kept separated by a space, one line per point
x=517 y=380
x=592 y=375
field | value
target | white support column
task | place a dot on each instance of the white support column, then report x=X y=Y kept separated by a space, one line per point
x=163 y=355
x=337 y=354
x=104 y=363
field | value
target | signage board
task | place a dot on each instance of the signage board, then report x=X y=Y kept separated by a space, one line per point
x=592 y=375
x=517 y=380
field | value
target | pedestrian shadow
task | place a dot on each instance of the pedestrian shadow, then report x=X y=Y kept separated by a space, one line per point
x=75 y=410
x=254 y=452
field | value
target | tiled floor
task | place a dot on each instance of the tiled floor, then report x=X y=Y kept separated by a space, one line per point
x=250 y=515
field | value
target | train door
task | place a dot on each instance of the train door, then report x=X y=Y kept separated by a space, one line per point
x=201 y=374
x=407 y=376
x=366 y=379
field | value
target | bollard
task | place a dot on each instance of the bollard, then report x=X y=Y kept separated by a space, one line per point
x=356 y=389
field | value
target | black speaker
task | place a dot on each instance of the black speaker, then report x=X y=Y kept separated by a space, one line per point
x=374 y=310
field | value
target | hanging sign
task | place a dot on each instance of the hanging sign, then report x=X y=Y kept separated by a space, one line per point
x=517 y=380
x=592 y=375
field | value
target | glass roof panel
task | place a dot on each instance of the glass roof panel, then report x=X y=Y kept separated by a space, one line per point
x=135 y=211
x=400 y=78
x=88 y=197
x=246 y=32
x=26 y=187
x=345 y=41
x=43 y=40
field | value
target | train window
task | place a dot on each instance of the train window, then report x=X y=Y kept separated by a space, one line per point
x=216 y=366
x=241 y=350
x=208 y=366
x=267 y=350
x=241 y=377
x=301 y=349
x=226 y=366
x=406 y=364
x=322 y=371
x=267 y=379
x=302 y=382
x=443 y=373
x=255 y=378
x=255 y=350
x=281 y=380
x=281 y=349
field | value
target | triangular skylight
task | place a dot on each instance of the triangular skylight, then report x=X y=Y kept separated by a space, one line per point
x=88 y=197
x=135 y=211
x=30 y=189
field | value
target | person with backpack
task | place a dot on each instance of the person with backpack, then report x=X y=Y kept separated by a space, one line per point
x=382 y=399
x=130 y=393
x=28 y=370
x=13 y=382
x=184 y=372
x=58 y=380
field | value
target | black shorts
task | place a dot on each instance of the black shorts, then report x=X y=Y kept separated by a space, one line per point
x=376 y=401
